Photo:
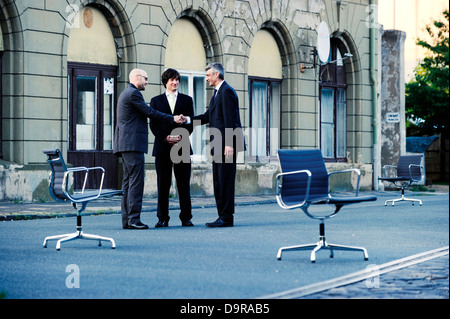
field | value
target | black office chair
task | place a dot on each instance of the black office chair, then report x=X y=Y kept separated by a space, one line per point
x=409 y=170
x=59 y=190
x=304 y=181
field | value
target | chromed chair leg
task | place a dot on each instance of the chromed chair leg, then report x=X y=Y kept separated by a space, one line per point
x=99 y=238
x=296 y=248
x=77 y=235
x=322 y=244
x=347 y=248
x=57 y=237
x=403 y=198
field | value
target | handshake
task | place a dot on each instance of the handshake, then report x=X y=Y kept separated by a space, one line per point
x=180 y=119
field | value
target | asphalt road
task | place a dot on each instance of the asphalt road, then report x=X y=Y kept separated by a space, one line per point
x=202 y=263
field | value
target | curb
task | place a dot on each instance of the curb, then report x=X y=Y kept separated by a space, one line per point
x=92 y=212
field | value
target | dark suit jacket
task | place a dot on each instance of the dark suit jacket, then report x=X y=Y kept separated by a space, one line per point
x=161 y=129
x=131 y=133
x=222 y=114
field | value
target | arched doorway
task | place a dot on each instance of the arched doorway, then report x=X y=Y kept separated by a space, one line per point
x=92 y=86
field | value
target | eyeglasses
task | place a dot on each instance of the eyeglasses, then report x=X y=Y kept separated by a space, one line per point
x=146 y=78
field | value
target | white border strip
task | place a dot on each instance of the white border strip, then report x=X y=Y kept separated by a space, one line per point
x=359 y=275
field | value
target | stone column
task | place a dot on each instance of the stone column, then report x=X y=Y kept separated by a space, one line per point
x=392 y=122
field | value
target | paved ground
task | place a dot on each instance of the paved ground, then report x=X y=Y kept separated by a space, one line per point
x=233 y=263
x=426 y=280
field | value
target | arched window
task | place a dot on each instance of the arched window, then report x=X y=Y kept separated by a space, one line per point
x=333 y=106
x=264 y=86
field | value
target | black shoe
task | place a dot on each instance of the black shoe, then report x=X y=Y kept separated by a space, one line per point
x=138 y=225
x=162 y=223
x=220 y=223
x=187 y=224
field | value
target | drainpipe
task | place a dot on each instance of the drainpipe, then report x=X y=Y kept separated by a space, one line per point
x=373 y=82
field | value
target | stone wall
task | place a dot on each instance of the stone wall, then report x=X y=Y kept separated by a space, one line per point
x=35 y=102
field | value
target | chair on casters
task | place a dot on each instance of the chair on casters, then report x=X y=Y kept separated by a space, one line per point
x=59 y=191
x=304 y=181
x=409 y=170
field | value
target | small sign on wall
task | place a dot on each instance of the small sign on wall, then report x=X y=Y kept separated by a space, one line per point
x=393 y=117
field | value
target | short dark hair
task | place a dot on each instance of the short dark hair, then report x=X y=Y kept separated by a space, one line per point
x=169 y=74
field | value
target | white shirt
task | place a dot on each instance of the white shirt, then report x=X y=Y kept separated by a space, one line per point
x=175 y=93
x=175 y=100
x=218 y=86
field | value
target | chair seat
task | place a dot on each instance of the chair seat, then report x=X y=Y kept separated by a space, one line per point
x=333 y=200
x=351 y=199
x=89 y=195
x=395 y=179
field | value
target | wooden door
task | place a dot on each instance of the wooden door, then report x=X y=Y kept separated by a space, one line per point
x=92 y=109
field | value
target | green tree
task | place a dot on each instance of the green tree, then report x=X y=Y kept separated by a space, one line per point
x=427 y=95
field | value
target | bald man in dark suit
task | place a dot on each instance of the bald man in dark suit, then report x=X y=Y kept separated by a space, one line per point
x=131 y=143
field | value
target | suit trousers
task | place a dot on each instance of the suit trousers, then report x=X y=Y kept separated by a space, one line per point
x=133 y=187
x=224 y=177
x=182 y=172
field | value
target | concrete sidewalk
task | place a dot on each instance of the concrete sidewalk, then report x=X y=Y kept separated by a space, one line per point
x=16 y=210
x=12 y=210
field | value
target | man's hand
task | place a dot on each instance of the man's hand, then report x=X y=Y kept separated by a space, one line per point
x=173 y=139
x=229 y=151
x=180 y=119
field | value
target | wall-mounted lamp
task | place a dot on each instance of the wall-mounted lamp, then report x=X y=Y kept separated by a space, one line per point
x=345 y=57
x=303 y=67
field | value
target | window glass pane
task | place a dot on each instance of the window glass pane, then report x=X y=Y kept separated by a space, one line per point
x=327 y=146
x=327 y=105
x=199 y=108
x=341 y=123
x=86 y=112
x=199 y=94
x=339 y=61
x=275 y=112
x=184 y=85
x=259 y=119
x=340 y=69
x=108 y=112
x=327 y=122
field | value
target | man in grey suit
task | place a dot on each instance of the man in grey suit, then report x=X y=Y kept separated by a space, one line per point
x=131 y=142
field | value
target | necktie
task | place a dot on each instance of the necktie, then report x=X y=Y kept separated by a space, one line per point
x=172 y=102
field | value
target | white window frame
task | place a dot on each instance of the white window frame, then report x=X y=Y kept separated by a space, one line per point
x=198 y=137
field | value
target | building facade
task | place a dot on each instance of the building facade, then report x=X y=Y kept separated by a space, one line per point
x=64 y=64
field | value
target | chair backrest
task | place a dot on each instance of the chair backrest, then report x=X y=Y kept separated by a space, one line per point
x=403 y=169
x=58 y=167
x=294 y=186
